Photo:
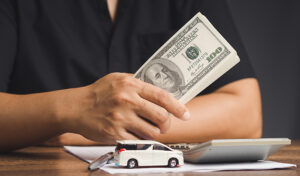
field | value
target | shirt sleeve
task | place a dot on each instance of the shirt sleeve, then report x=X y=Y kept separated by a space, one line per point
x=8 y=42
x=218 y=13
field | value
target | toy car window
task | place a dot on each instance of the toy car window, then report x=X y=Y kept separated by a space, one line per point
x=119 y=146
x=160 y=147
x=130 y=147
x=142 y=146
x=126 y=146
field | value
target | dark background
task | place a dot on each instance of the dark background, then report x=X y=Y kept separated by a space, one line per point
x=270 y=32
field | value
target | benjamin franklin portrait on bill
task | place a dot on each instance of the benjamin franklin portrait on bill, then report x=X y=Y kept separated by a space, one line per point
x=164 y=74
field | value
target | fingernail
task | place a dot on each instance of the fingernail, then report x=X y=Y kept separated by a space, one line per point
x=186 y=115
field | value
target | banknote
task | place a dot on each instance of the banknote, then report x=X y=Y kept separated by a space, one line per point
x=193 y=58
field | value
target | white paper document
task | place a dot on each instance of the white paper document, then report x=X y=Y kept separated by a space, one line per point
x=89 y=154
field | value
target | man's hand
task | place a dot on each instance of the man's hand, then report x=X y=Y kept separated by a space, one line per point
x=118 y=107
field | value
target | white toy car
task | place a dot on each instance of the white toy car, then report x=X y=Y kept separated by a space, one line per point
x=134 y=153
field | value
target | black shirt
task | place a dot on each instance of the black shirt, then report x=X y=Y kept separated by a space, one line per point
x=56 y=44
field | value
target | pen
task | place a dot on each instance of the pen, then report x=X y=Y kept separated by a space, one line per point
x=101 y=161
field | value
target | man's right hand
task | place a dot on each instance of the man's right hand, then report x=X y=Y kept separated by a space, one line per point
x=118 y=107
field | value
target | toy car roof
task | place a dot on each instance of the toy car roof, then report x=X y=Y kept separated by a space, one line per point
x=137 y=142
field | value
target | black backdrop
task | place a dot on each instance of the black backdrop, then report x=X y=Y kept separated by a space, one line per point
x=270 y=32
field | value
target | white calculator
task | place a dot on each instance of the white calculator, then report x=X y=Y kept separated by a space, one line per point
x=231 y=150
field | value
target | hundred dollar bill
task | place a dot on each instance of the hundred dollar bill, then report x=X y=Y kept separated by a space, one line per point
x=192 y=59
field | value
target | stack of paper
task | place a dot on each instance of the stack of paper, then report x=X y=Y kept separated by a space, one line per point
x=89 y=154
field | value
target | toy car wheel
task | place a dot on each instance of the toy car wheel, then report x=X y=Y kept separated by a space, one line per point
x=132 y=163
x=173 y=162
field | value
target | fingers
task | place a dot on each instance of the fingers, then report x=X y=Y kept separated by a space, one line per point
x=53 y=142
x=143 y=129
x=128 y=108
x=126 y=135
x=155 y=114
x=157 y=96
x=165 y=100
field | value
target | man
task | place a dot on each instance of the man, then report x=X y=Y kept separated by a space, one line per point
x=58 y=74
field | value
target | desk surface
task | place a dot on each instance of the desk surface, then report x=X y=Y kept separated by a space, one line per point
x=55 y=161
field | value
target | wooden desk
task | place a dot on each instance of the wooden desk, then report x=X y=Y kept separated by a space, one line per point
x=55 y=161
